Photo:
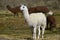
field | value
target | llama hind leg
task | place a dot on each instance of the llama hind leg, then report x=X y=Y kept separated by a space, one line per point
x=43 y=29
x=31 y=29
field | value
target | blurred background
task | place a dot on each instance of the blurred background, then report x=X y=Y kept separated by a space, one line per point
x=52 y=4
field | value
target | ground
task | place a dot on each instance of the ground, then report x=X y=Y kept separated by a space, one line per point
x=15 y=28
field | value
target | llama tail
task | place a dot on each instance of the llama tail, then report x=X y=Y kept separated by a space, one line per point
x=50 y=13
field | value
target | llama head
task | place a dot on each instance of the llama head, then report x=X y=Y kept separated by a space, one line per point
x=23 y=7
x=7 y=6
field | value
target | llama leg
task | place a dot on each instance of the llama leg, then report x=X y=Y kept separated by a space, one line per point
x=43 y=29
x=47 y=26
x=34 y=33
x=14 y=14
x=38 y=32
x=17 y=14
x=47 y=23
x=50 y=27
x=31 y=29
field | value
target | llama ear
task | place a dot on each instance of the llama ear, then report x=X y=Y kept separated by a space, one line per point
x=22 y=4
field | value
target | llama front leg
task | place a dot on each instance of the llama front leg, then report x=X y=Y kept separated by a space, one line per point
x=38 y=32
x=34 y=33
x=16 y=14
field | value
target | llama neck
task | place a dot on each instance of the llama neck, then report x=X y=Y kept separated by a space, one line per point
x=26 y=14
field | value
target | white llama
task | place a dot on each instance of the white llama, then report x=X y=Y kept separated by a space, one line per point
x=35 y=20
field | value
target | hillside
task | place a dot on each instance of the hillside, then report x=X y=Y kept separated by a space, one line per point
x=52 y=4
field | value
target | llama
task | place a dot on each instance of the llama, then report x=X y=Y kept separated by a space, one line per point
x=51 y=21
x=35 y=21
x=15 y=10
x=37 y=9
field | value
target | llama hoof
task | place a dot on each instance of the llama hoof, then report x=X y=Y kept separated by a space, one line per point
x=42 y=39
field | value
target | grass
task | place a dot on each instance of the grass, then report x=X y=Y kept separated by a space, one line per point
x=15 y=28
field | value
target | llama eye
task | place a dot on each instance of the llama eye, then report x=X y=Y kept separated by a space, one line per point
x=23 y=7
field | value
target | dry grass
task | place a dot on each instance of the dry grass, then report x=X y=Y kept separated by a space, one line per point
x=15 y=28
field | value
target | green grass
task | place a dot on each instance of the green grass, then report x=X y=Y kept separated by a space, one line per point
x=16 y=28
